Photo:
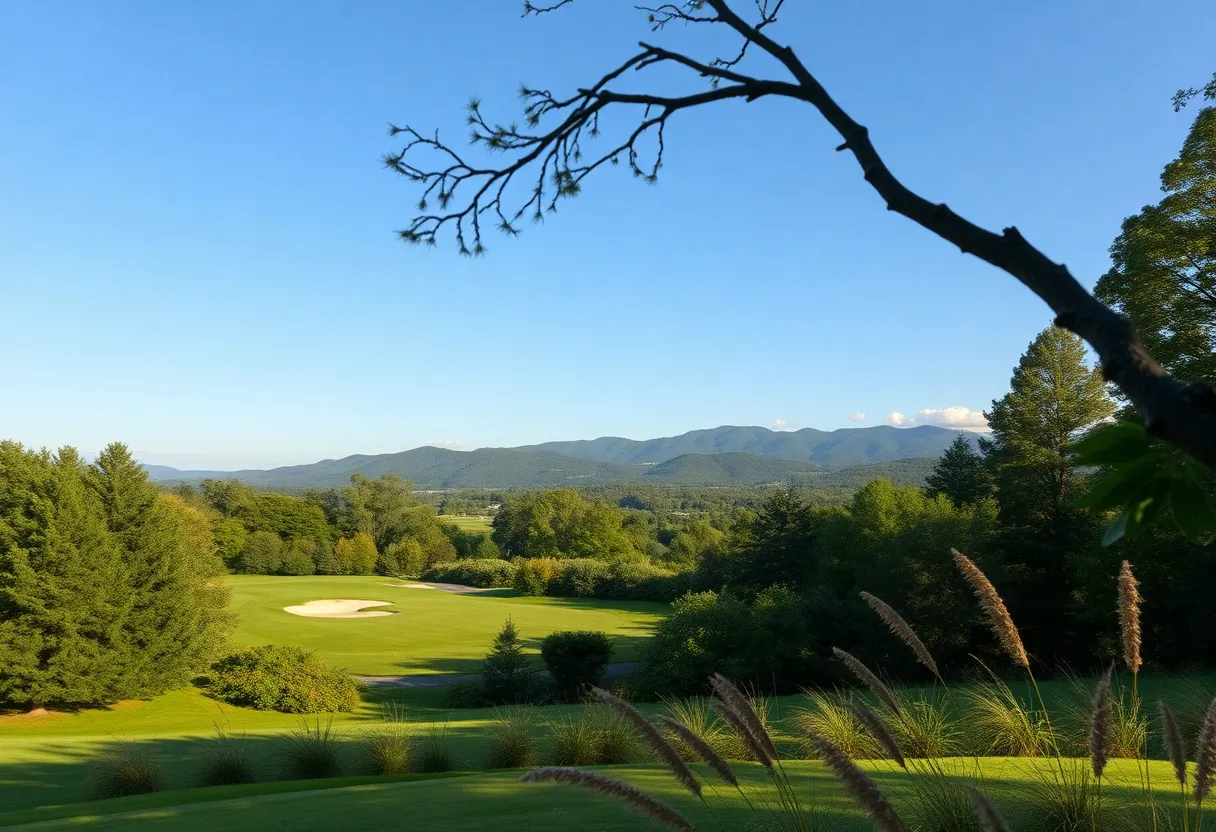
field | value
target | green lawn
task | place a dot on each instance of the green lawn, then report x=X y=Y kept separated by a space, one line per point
x=467 y=523
x=498 y=801
x=431 y=632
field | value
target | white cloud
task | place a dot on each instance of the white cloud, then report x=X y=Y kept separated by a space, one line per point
x=445 y=443
x=857 y=417
x=784 y=424
x=946 y=417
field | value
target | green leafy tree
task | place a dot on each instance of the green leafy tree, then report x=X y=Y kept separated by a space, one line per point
x=561 y=523
x=1163 y=275
x=357 y=555
x=229 y=535
x=960 y=475
x=506 y=673
x=263 y=554
x=300 y=558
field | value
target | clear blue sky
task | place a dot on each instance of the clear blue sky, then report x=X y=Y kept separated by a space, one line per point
x=196 y=248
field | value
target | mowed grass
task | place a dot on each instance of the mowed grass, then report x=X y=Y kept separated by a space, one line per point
x=499 y=801
x=467 y=522
x=430 y=631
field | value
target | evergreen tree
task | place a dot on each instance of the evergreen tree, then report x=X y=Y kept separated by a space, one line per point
x=64 y=595
x=506 y=677
x=778 y=545
x=177 y=622
x=1043 y=541
x=960 y=475
x=325 y=559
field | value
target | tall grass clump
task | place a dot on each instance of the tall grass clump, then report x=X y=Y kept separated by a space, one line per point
x=831 y=717
x=127 y=769
x=310 y=751
x=512 y=738
x=699 y=719
x=225 y=760
x=573 y=741
x=431 y=752
x=618 y=741
x=996 y=722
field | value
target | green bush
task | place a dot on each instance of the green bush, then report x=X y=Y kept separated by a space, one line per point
x=575 y=659
x=282 y=678
x=128 y=769
x=432 y=753
x=533 y=575
x=310 y=752
x=388 y=748
x=464 y=695
x=298 y=558
x=477 y=572
x=580 y=578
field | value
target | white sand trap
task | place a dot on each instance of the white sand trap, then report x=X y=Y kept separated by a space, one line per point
x=339 y=608
x=459 y=589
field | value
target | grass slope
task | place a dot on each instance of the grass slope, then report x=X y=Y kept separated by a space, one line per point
x=431 y=632
x=498 y=801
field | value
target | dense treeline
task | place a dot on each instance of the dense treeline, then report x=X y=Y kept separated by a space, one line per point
x=109 y=589
x=373 y=526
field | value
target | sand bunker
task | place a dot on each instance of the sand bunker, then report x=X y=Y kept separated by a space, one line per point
x=339 y=608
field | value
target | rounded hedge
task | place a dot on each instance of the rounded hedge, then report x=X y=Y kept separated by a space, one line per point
x=282 y=678
x=576 y=659
x=479 y=572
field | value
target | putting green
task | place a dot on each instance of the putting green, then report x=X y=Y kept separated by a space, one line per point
x=430 y=631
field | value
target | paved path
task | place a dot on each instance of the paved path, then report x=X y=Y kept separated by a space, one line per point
x=615 y=670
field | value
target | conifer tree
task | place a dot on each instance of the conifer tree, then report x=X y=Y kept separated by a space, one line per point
x=505 y=673
x=960 y=475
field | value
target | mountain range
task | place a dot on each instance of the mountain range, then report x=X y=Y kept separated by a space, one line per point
x=716 y=457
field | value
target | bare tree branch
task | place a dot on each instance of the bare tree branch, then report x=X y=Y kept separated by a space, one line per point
x=1180 y=413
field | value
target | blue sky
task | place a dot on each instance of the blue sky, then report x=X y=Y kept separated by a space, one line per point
x=197 y=258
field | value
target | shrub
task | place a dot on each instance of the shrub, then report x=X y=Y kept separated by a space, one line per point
x=310 y=752
x=575 y=659
x=125 y=770
x=282 y=678
x=405 y=558
x=997 y=724
x=534 y=575
x=485 y=573
x=225 y=761
x=579 y=578
x=263 y=553
x=432 y=753
x=464 y=695
x=388 y=749
x=512 y=739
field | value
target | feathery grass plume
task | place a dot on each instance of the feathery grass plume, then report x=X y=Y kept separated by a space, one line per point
x=998 y=616
x=1173 y=742
x=1129 y=616
x=901 y=628
x=662 y=749
x=1099 y=726
x=1205 y=755
x=729 y=694
x=879 y=731
x=868 y=678
x=989 y=818
x=700 y=747
x=858 y=786
x=652 y=807
x=737 y=722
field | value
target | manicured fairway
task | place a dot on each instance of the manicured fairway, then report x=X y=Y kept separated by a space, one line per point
x=431 y=632
x=468 y=523
x=498 y=802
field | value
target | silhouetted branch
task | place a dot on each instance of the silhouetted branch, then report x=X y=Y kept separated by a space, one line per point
x=1182 y=414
